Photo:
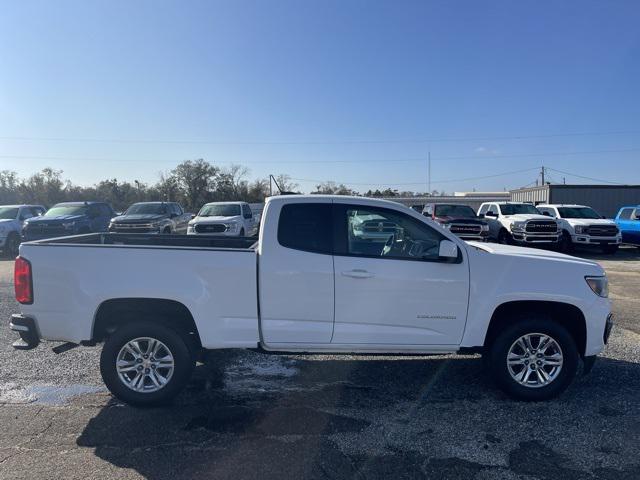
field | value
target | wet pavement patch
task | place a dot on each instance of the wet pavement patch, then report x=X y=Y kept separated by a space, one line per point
x=50 y=395
x=277 y=421
x=535 y=459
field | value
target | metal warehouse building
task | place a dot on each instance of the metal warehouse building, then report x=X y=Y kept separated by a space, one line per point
x=605 y=199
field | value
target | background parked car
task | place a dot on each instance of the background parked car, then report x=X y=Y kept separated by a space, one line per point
x=461 y=220
x=12 y=218
x=521 y=223
x=628 y=221
x=151 y=217
x=224 y=218
x=582 y=225
x=69 y=218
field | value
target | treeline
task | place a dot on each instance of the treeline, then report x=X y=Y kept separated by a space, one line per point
x=192 y=183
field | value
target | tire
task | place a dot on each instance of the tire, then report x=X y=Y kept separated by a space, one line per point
x=534 y=386
x=11 y=248
x=166 y=231
x=503 y=237
x=566 y=244
x=609 y=249
x=149 y=392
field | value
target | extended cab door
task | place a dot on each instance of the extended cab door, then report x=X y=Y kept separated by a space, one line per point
x=391 y=286
x=296 y=290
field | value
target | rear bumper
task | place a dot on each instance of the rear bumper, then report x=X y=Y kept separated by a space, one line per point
x=27 y=329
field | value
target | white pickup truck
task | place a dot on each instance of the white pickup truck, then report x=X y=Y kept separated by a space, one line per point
x=321 y=278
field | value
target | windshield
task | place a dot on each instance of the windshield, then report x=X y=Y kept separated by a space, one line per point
x=455 y=211
x=8 y=213
x=577 y=212
x=147 y=209
x=58 y=210
x=221 y=210
x=518 y=208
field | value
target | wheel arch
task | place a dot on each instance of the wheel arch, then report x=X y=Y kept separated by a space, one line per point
x=115 y=312
x=565 y=314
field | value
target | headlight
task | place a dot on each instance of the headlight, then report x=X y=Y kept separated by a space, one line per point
x=518 y=225
x=484 y=228
x=191 y=228
x=231 y=227
x=446 y=226
x=599 y=285
x=68 y=226
x=579 y=229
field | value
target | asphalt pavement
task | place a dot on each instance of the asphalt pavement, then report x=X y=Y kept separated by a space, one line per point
x=252 y=416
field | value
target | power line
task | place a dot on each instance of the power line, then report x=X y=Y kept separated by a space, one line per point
x=387 y=160
x=450 y=180
x=318 y=142
x=583 y=177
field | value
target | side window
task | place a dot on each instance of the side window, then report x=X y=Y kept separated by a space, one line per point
x=636 y=215
x=93 y=210
x=428 y=211
x=625 y=214
x=37 y=211
x=548 y=212
x=179 y=210
x=25 y=213
x=493 y=209
x=483 y=209
x=104 y=209
x=306 y=226
x=380 y=232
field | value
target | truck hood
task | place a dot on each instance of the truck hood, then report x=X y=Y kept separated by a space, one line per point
x=138 y=217
x=536 y=254
x=527 y=216
x=55 y=220
x=589 y=221
x=4 y=221
x=216 y=219
x=467 y=220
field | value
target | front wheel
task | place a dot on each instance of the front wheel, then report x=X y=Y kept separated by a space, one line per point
x=146 y=364
x=504 y=237
x=533 y=359
x=566 y=244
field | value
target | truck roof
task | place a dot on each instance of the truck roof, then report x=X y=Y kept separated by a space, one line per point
x=21 y=205
x=91 y=202
x=570 y=205
x=337 y=198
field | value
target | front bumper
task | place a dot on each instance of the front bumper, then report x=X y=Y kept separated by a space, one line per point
x=589 y=240
x=522 y=236
x=28 y=331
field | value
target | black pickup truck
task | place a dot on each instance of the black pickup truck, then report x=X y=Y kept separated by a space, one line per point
x=461 y=220
x=151 y=217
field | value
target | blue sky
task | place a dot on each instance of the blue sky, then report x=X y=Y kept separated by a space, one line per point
x=351 y=91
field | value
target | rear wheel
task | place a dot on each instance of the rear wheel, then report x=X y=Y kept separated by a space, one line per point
x=533 y=359
x=146 y=364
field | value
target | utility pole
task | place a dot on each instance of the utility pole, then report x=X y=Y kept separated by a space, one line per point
x=429 y=173
x=542 y=173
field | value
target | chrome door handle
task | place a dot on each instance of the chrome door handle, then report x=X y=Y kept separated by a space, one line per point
x=357 y=273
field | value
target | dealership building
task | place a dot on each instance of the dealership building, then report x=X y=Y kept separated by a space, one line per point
x=604 y=199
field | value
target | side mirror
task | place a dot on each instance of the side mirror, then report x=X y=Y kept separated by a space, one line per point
x=491 y=214
x=193 y=215
x=448 y=249
x=481 y=215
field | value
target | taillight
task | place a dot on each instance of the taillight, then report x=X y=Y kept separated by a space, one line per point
x=22 y=281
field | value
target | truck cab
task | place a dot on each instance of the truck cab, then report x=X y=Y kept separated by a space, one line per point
x=519 y=223
x=583 y=226
x=628 y=221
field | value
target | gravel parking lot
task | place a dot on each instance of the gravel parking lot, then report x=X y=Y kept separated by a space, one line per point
x=248 y=415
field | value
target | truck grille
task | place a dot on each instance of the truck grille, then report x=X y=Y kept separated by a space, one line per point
x=541 y=226
x=213 y=228
x=602 y=230
x=462 y=229
x=51 y=230
x=131 y=227
x=379 y=227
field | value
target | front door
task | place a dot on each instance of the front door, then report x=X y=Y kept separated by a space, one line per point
x=391 y=287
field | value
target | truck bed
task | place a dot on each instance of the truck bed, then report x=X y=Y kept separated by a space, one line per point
x=155 y=240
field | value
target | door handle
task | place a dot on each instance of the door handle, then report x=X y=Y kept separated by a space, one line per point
x=357 y=273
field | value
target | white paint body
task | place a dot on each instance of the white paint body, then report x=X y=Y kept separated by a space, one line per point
x=580 y=237
x=288 y=300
